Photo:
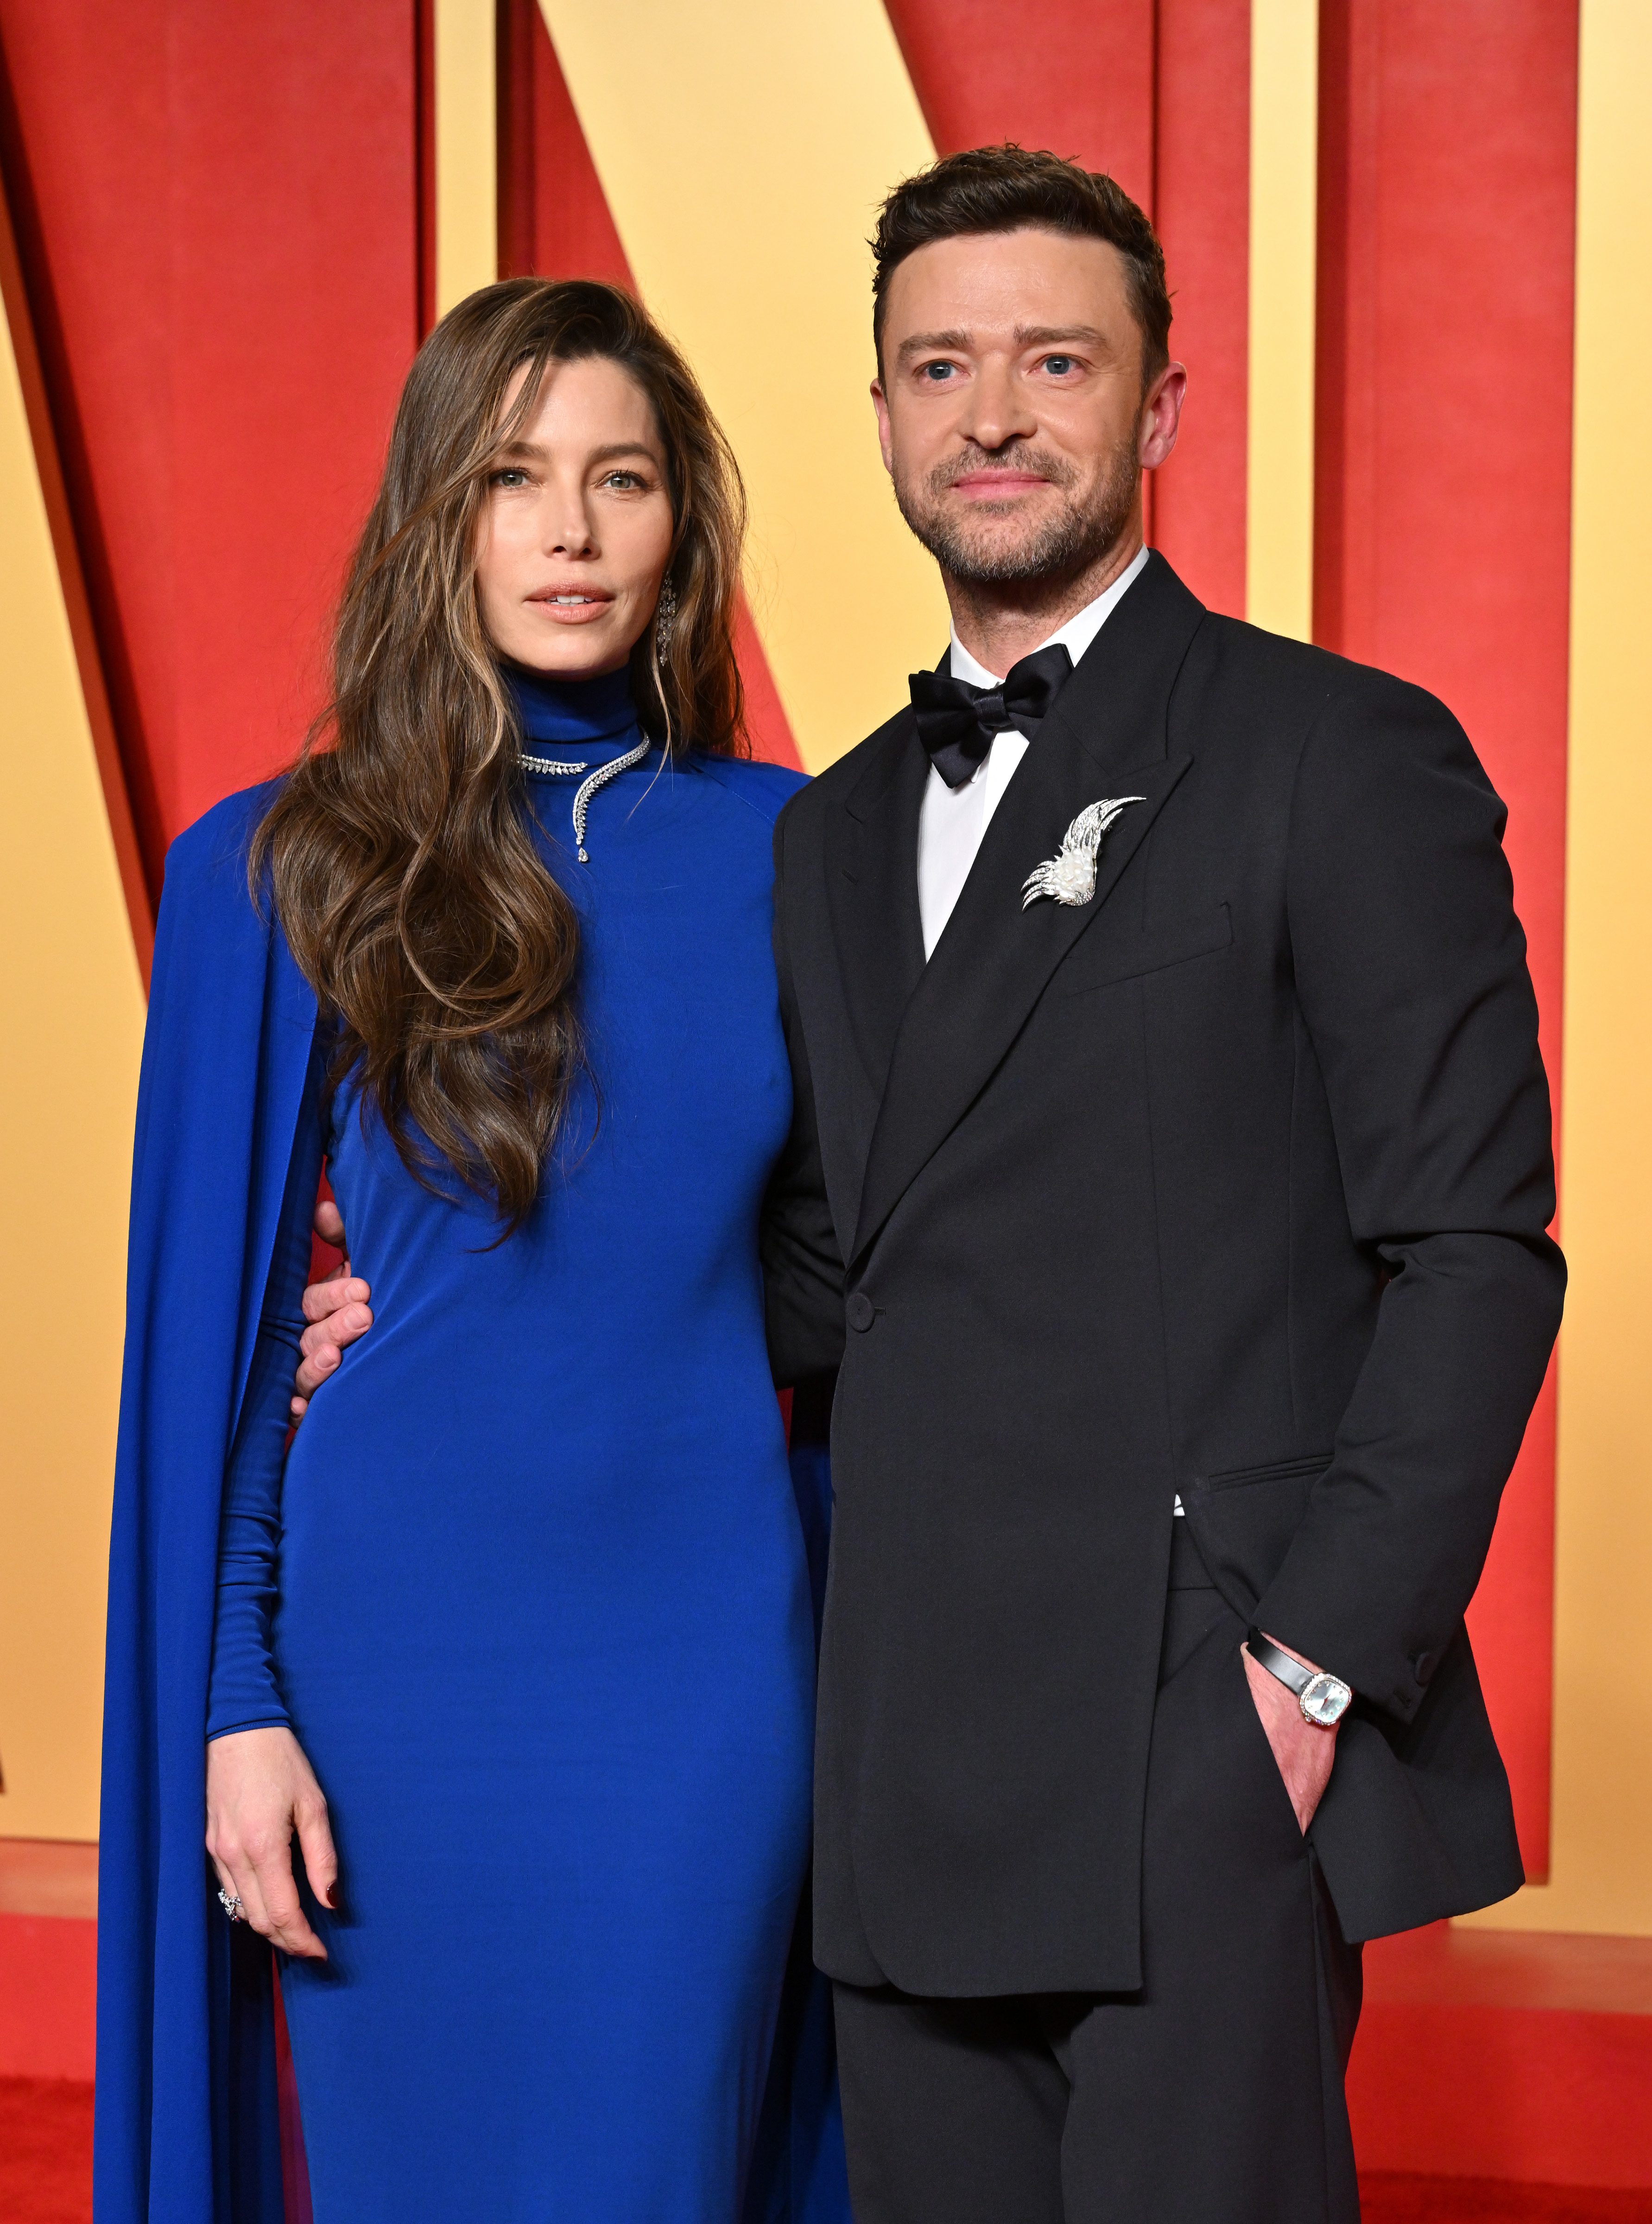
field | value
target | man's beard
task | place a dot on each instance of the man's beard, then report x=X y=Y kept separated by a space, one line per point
x=1061 y=548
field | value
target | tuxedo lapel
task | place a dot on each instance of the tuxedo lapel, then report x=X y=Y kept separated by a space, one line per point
x=1107 y=737
x=872 y=871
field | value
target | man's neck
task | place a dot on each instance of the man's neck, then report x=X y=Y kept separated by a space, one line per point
x=999 y=623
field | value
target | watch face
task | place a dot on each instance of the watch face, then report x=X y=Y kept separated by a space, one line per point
x=1325 y=1701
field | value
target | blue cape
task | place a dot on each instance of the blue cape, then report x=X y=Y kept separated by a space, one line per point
x=187 y=2127
x=187 y=2124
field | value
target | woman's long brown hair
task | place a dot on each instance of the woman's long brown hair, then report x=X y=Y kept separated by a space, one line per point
x=442 y=951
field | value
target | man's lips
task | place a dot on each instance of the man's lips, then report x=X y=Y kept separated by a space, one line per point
x=987 y=484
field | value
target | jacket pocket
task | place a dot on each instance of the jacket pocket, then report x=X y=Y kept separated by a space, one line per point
x=1244 y=1519
x=1200 y=937
x=1234 y=1478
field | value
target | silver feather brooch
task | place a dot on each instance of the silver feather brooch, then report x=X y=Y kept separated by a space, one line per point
x=1069 y=877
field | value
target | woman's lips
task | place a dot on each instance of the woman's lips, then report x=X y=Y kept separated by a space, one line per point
x=572 y=608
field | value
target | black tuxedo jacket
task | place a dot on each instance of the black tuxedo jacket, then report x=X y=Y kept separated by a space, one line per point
x=1231 y=1182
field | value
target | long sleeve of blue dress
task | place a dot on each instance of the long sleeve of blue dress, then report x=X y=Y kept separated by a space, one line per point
x=244 y=1693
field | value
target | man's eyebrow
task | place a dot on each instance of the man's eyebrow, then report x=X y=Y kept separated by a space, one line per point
x=1052 y=335
x=1026 y=336
x=933 y=344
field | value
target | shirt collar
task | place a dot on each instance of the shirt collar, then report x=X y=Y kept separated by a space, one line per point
x=1075 y=636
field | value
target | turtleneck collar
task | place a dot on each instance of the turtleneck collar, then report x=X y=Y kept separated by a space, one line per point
x=580 y=713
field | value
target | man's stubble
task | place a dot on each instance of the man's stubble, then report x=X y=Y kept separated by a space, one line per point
x=1059 y=548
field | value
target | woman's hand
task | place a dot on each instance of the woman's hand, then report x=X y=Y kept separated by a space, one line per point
x=260 y=1789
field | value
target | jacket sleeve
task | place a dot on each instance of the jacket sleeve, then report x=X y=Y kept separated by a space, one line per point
x=803 y=1274
x=1411 y=976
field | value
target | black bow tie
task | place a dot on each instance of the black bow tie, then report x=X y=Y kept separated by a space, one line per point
x=956 y=722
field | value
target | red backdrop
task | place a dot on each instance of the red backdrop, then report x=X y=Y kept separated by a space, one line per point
x=1443 y=475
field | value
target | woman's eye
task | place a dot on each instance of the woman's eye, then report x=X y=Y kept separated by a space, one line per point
x=511 y=475
x=624 y=482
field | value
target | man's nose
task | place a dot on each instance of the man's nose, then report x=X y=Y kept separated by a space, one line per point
x=998 y=409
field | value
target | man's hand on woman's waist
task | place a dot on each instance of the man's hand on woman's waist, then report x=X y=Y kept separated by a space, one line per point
x=336 y=1310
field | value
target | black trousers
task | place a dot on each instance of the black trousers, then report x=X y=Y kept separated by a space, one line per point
x=1214 y=2095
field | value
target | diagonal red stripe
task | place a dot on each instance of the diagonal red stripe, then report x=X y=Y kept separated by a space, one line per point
x=555 y=222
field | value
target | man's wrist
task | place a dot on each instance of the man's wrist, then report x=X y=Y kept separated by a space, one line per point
x=1322 y=1698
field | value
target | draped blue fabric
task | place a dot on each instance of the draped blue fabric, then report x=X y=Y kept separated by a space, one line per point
x=185 y=2120
x=186 y=2125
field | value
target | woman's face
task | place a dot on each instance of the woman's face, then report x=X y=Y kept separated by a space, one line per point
x=576 y=531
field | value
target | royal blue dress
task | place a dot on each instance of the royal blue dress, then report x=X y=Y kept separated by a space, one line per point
x=533 y=1589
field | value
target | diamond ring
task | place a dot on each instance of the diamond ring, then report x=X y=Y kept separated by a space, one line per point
x=230 y=1902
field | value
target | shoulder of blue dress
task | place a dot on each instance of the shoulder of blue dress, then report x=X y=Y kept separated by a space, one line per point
x=765 y=789
x=218 y=840
x=210 y=930
x=205 y=887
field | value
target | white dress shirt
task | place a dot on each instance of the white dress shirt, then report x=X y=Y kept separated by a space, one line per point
x=952 y=821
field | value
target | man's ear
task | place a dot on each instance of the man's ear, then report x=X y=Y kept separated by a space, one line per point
x=1162 y=415
x=881 y=404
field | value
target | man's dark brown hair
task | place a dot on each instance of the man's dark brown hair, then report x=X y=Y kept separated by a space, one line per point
x=1012 y=188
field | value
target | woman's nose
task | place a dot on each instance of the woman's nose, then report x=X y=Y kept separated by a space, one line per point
x=566 y=527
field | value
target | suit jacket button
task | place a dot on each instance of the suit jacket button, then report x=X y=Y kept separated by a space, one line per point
x=1425 y=1665
x=861 y=1311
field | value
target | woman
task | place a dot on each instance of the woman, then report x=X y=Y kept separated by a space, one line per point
x=517 y=1639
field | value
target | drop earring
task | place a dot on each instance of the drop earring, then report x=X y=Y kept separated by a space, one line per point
x=665 y=616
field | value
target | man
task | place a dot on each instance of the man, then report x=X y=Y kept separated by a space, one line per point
x=1169 y=1113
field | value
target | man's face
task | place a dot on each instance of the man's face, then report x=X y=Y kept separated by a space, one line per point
x=1011 y=406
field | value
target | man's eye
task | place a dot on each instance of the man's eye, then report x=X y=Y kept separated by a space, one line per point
x=1058 y=365
x=939 y=372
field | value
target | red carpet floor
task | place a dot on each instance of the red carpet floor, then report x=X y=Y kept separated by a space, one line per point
x=44 y=2150
x=1389 y=2198
x=45 y=2176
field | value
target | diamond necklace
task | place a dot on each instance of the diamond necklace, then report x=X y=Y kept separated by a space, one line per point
x=587 y=787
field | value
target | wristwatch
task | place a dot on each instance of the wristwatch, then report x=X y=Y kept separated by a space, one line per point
x=1324 y=1698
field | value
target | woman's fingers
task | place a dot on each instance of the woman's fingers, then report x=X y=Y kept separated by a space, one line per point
x=315 y=1842
x=237 y=1876
x=260 y=1874
x=284 y=1923
x=227 y=1885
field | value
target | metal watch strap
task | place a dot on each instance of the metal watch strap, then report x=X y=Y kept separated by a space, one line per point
x=1266 y=1654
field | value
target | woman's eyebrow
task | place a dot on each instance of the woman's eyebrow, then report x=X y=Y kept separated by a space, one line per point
x=535 y=451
